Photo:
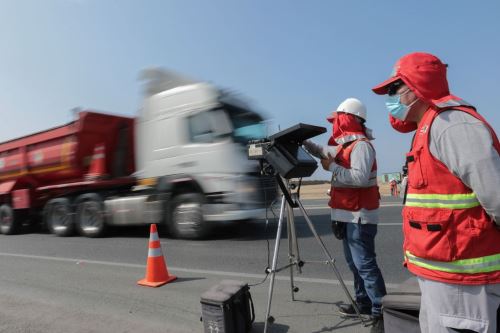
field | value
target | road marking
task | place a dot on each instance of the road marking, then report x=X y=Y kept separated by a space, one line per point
x=187 y=270
x=396 y=224
x=325 y=206
x=391 y=224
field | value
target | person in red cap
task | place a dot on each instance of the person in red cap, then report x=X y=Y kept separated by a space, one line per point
x=354 y=199
x=451 y=213
x=394 y=187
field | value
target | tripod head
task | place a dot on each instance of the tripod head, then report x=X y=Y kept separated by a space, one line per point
x=282 y=153
x=286 y=192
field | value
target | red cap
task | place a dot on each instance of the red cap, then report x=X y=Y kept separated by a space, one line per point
x=423 y=73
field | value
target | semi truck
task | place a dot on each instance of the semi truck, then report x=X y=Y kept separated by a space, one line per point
x=181 y=163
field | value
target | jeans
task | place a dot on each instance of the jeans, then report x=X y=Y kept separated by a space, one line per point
x=359 y=252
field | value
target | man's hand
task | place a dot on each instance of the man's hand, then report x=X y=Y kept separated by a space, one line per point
x=325 y=162
x=314 y=149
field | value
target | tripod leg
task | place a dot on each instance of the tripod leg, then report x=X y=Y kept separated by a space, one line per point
x=295 y=244
x=331 y=261
x=292 y=245
x=275 y=261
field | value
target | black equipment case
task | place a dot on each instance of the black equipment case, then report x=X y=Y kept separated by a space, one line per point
x=402 y=307
x=227 y=308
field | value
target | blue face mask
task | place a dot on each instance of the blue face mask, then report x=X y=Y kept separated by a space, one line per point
x=396 y=108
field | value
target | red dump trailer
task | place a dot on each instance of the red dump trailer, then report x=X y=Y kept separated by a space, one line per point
x=38 y=171
x=181 y=162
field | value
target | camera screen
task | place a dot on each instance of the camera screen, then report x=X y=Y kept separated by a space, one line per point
x=302 y=156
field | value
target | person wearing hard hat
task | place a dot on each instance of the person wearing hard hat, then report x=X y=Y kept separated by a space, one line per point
x=451 y=215
x=354 y=199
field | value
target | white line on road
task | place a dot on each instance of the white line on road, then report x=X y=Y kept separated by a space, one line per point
x=186 y=270
x=325 y=206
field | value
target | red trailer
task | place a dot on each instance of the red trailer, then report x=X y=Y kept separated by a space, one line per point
x=40 y=171
x=181 y=162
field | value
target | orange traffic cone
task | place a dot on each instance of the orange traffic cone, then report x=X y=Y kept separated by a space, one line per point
x=98 y=165
x=156 y=269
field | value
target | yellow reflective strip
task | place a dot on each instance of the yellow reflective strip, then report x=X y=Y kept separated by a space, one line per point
x=456 y=270
x=66 y=151
x=13 y=174
x=465 y=196
x=147 y=182
x=475 y=261
x=442 y=205
x=49 y=169
x=470 y=261
x=457 y=266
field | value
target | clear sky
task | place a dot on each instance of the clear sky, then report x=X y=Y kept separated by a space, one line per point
x=295 y=60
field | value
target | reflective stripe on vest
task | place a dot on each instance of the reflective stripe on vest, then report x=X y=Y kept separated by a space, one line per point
x=474 y=265
x=451 y=201
x=372 y=181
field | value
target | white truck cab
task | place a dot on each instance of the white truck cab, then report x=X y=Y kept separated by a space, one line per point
x=194 y=136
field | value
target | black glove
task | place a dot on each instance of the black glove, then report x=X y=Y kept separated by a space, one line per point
x=339 y=229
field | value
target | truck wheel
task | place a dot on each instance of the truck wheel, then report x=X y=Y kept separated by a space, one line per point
x=187 y=217
x=8 y=223
x=90 y=219
x=60 y=217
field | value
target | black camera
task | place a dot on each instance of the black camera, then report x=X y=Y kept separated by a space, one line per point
x=282 y=152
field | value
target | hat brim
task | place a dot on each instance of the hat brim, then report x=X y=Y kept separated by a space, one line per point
x=382 y=88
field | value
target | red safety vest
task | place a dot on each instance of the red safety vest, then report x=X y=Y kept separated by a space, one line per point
x=448 y=236
x=354 y=198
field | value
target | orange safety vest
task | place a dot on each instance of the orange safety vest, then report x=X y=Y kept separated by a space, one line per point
x=448 y=236
x=354 y=198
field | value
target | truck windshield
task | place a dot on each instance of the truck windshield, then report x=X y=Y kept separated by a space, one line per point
x=247 y=124
x=209 y=126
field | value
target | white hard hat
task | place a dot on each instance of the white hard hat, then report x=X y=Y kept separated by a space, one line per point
x=353 y=106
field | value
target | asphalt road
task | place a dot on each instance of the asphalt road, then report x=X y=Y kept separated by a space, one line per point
x=77 y=284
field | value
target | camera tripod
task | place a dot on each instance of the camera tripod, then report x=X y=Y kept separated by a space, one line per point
x=288 y=202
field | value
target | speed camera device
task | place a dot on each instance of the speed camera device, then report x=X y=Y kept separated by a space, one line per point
x=282 y=152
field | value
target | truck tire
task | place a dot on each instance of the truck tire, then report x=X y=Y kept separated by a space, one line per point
x=60 y=217
x=186 y=219
x=90 y=217
x=8 y=223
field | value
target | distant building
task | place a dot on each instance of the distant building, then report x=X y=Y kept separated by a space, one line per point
x=386 y=177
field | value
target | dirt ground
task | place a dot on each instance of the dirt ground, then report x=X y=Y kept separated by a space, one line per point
x=319 y=191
